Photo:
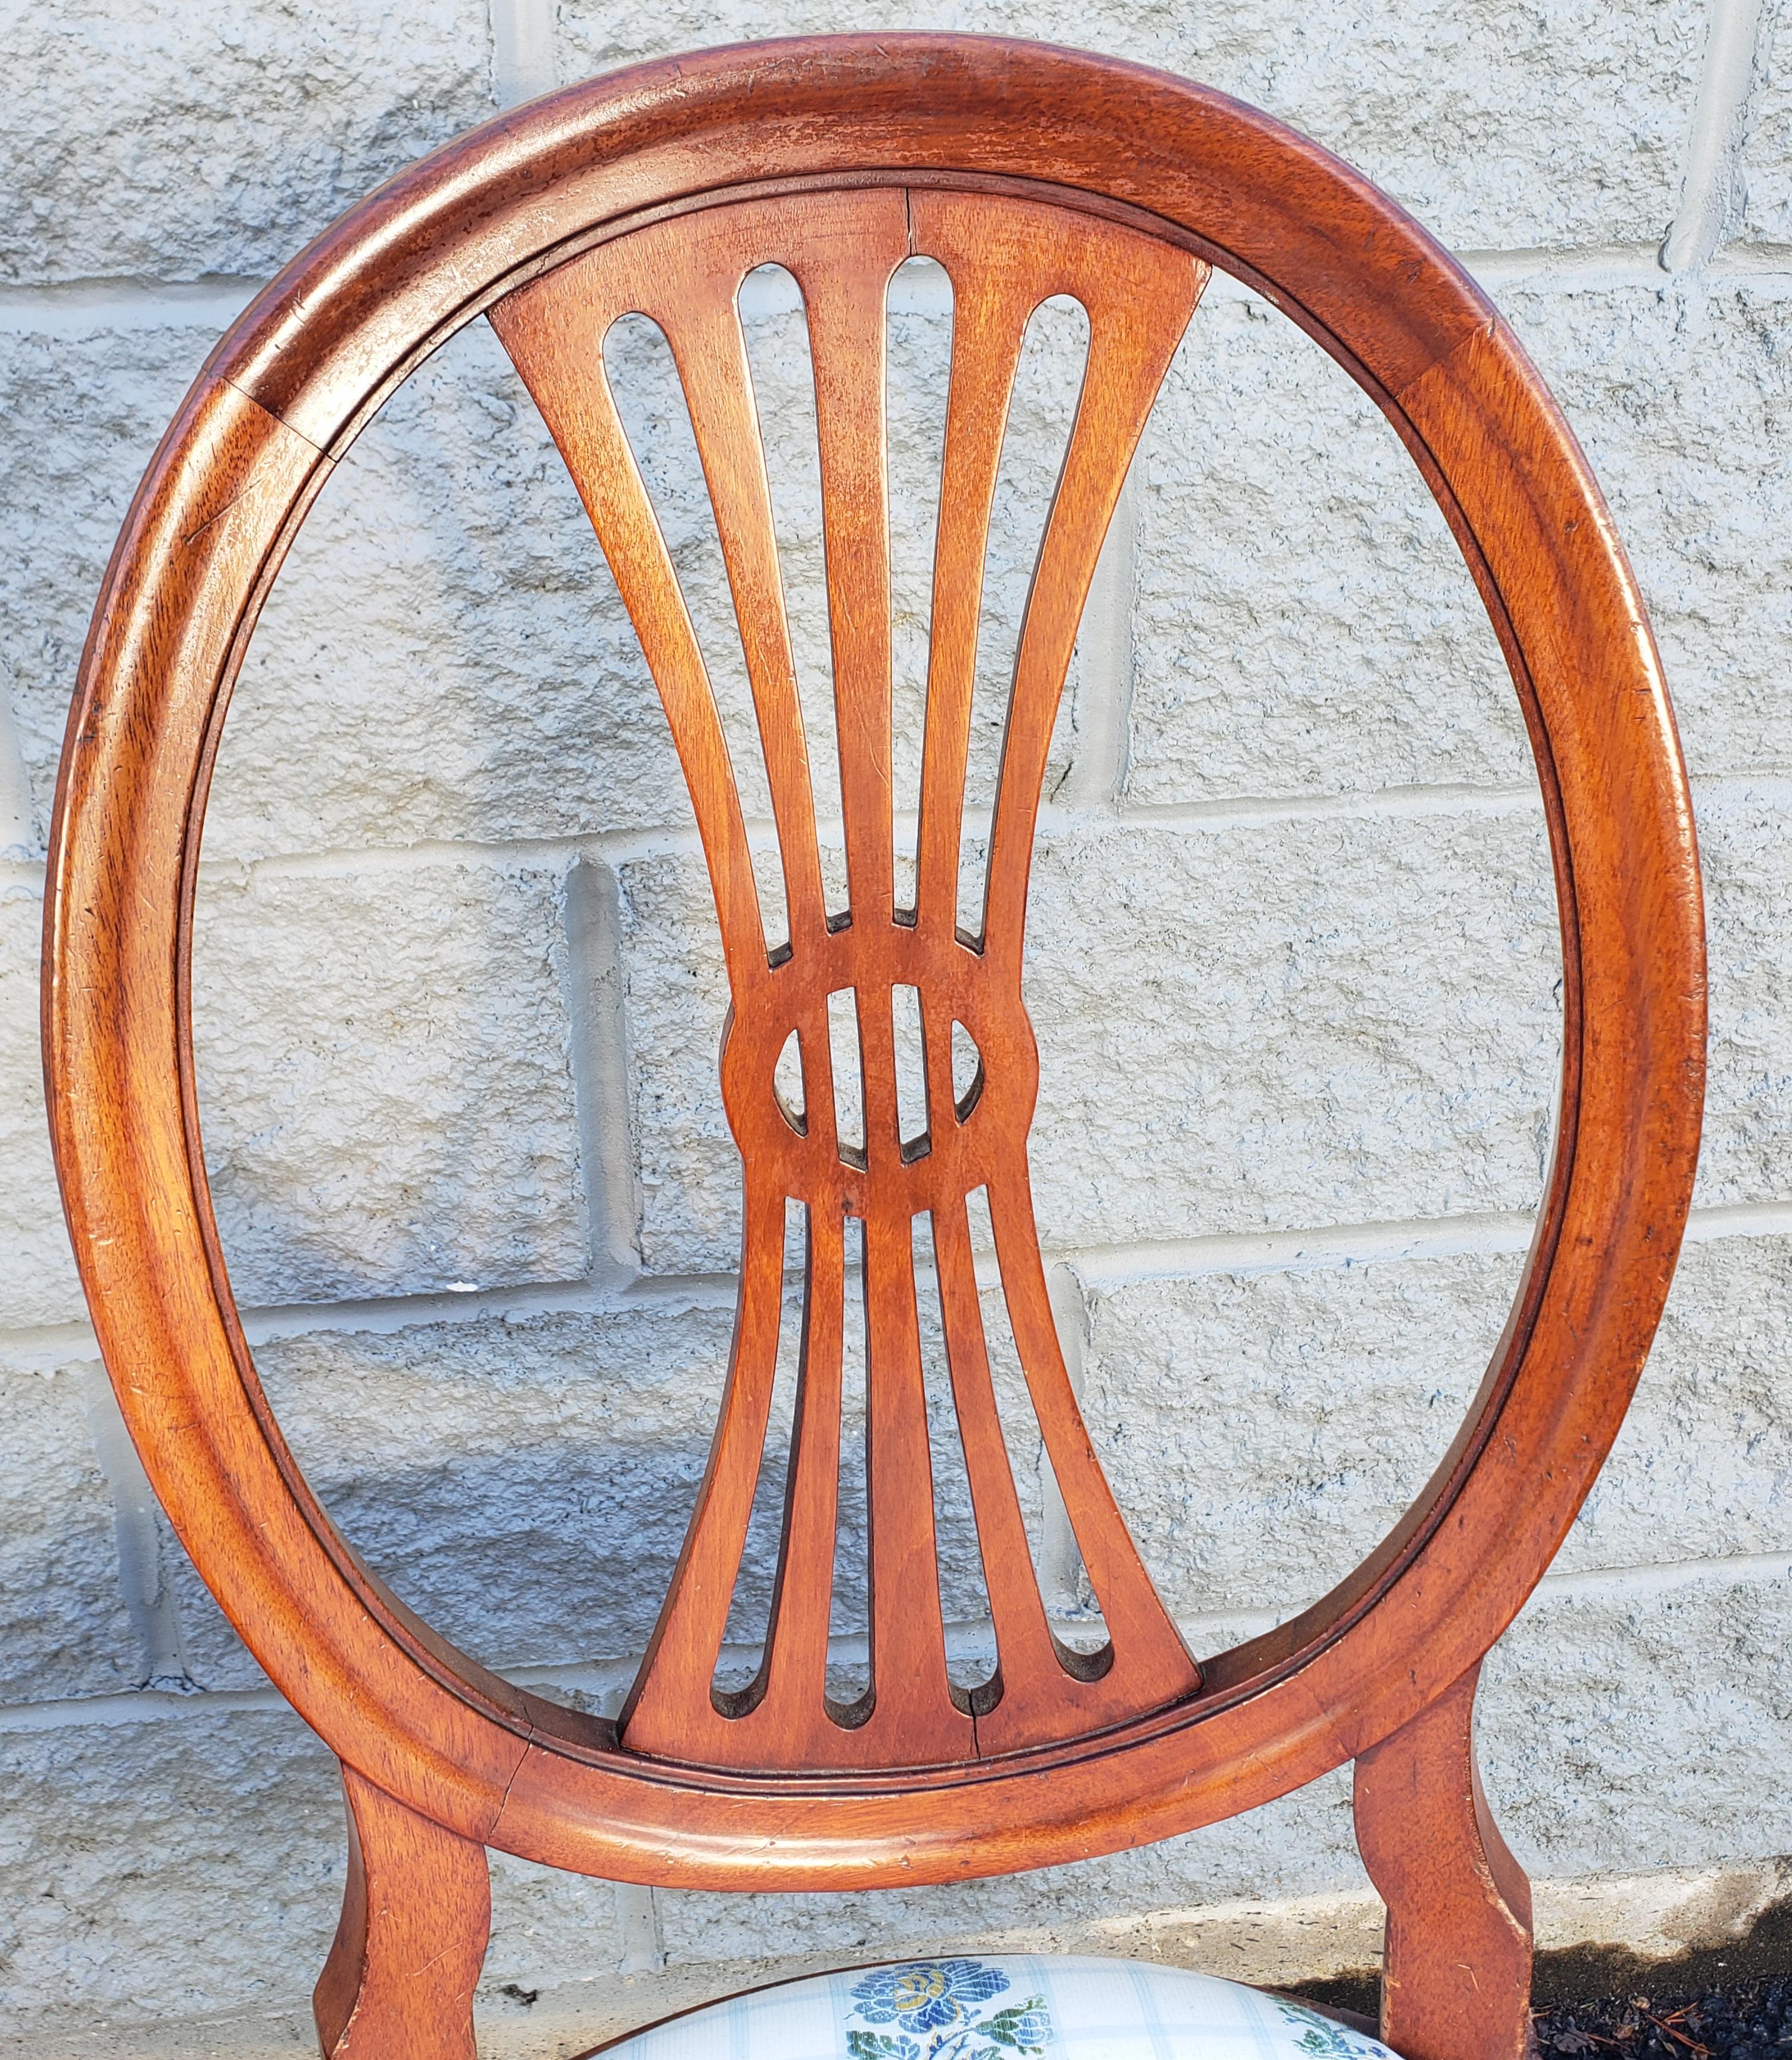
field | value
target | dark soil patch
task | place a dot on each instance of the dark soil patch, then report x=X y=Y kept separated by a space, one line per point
x=1600 y=2002
x=1751 y=2021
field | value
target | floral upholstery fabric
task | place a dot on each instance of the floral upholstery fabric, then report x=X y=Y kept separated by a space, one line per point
x=1003 y=2007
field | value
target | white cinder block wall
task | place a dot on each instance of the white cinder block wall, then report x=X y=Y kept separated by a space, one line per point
x=1292 y=967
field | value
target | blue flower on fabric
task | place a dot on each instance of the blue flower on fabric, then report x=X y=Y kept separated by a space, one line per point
x=926 y=1995
x=1323 y=2039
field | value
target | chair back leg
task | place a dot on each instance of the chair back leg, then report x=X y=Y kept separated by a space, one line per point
x=1455 y=1981
x=417 y=1913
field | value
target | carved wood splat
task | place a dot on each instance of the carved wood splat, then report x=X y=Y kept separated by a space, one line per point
x=1005 y=257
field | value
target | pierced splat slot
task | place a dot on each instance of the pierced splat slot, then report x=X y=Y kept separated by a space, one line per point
x=788 y=1084
x=1043 y=405
x=919 y=316
x=780 y=374
x=910 y=1073
x=668 y=443
x=849 y=1076
x=848 y=1690
x=973 y=1677
x=1079 y=1635
x=737 y=1684
x=967 y=1071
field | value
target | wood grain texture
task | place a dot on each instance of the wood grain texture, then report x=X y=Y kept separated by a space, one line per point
x=1261 y=200
x=1004 y=257
x=417 y=1911
x=1455 y=1981
x=957 y=125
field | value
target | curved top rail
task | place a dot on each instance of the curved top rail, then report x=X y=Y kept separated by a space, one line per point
x=434 y=245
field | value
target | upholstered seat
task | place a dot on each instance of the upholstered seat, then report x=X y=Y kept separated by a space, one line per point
x=1002 y=2007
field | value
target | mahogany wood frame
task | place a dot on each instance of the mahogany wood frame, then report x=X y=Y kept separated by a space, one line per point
x=441 y=1757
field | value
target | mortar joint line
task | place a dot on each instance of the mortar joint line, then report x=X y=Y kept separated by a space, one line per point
x=214 y=300
x=523 y=55
x=1096 y=1269
x=607 y=1677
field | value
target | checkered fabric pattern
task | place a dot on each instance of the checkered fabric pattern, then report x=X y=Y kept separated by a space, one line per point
x=1004 y=2007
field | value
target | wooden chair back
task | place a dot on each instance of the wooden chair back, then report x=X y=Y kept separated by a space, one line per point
x=1025 y=173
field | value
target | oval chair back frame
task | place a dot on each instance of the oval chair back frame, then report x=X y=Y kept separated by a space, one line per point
x=840 y=156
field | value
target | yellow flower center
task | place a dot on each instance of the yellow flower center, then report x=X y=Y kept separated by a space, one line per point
x=918 y=1985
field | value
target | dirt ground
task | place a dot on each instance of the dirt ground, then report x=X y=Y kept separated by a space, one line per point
x=1750 y=2021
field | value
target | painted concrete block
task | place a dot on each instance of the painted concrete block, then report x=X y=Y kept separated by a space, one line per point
x=37 y=1280
x=1498 y=127
x=1746 y=850
x=524 y=1484
x=210 y=1847
x=183 y=142
x=190 y=1862
x=66 y=1628
x=444 y=655
x=1702 y=1469
x=1640 y=1715
x=1304 y=623
x=1766 y=198
x=1264 y=1431
x=384 y=1078
x=1305 y=1022
x=82 y=409
x=179 y=1867
x=1618 y=1718
x=1272 y=1015
x=1681 y=395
